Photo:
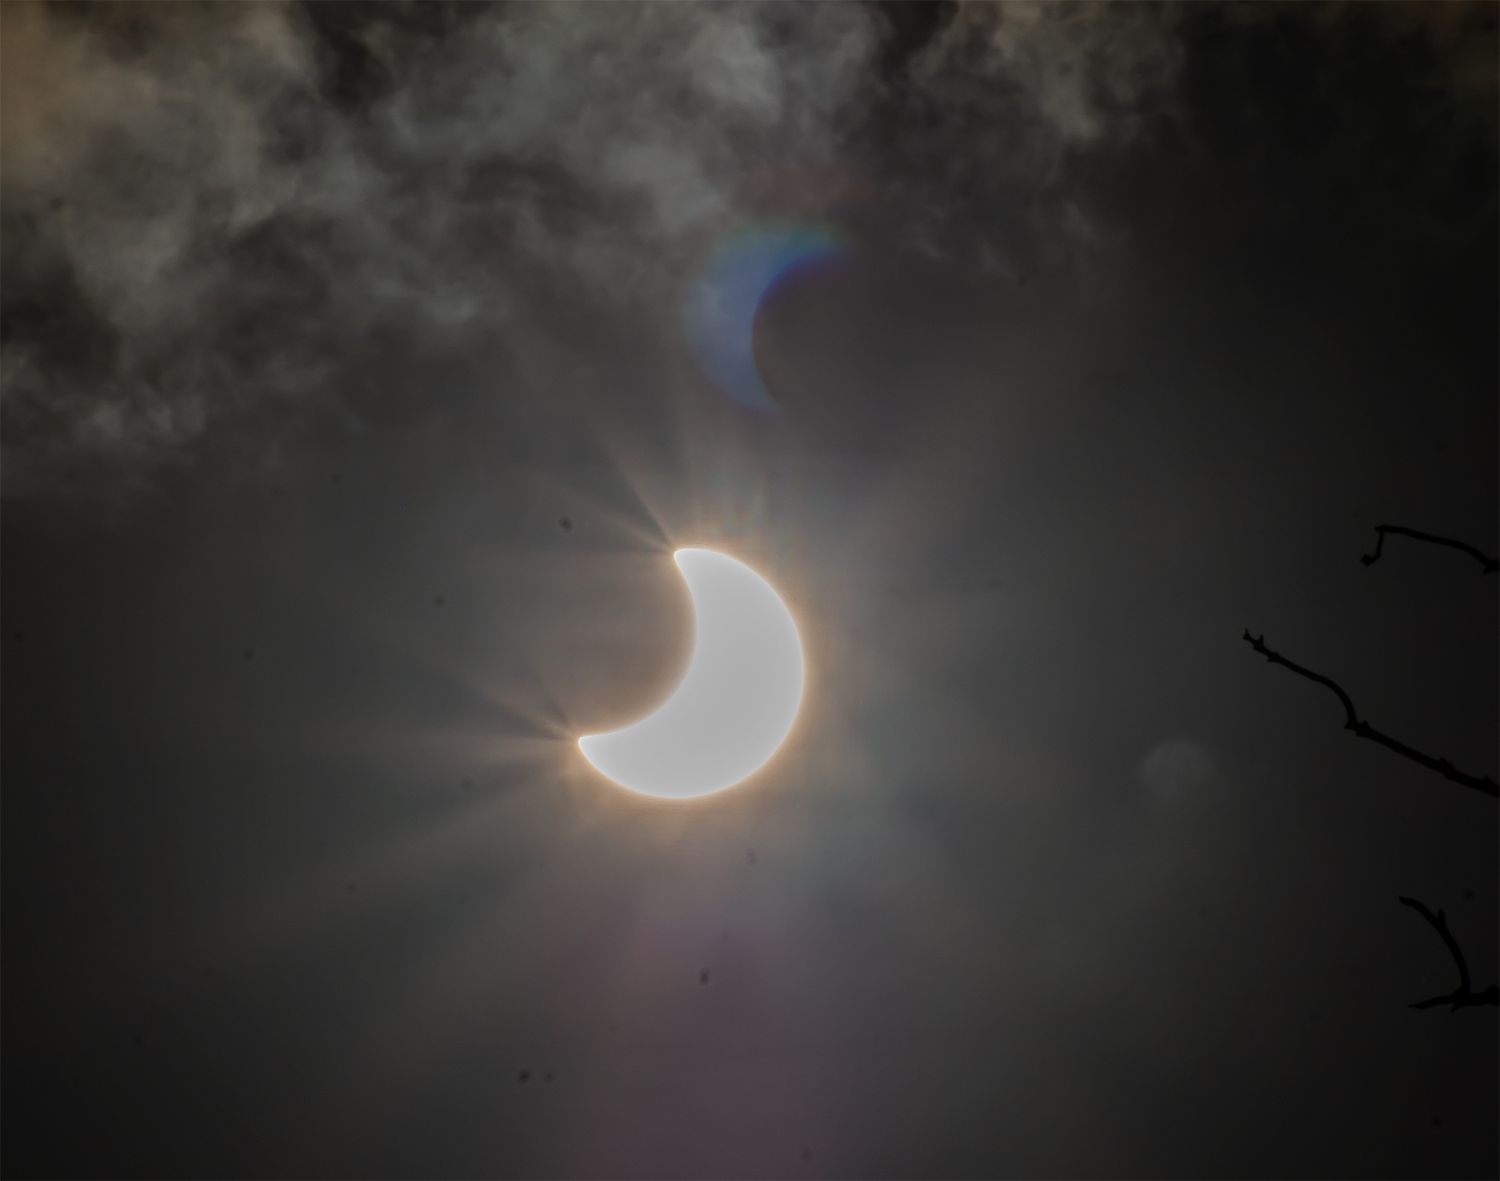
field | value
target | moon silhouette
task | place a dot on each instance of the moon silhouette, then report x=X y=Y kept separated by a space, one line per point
x=734 y=705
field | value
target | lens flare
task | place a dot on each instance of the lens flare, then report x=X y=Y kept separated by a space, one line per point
x=720 y=308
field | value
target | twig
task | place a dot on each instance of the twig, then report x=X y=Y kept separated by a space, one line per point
x=1489 y=564
x=1463 y=996
x=1352 y=721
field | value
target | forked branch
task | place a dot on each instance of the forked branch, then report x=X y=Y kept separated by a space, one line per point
x=1463 y=996
x=1488 y=564
x=1352 y=721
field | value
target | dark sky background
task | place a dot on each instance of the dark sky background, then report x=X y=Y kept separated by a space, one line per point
x=350 y=418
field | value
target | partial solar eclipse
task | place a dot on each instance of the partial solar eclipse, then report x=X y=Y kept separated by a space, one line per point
x=734 y=705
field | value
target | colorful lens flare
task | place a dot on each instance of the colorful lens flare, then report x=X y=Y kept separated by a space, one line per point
x=721 y=306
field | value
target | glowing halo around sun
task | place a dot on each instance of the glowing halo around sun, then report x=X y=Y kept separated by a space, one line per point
x=735 y=703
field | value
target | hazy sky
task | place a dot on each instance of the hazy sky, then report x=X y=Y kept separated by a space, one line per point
x=356 y=391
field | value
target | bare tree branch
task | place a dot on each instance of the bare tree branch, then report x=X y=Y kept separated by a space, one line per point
x=1352 y=721
x=1489 y=564
x=1440 y=921
x=1463 y=996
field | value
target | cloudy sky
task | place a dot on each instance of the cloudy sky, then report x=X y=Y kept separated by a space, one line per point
x=362 y=365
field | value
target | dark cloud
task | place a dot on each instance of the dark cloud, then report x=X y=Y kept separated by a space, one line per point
x=228 y=211
x=230 y=202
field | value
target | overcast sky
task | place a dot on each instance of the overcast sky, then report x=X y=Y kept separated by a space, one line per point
x=356 y=389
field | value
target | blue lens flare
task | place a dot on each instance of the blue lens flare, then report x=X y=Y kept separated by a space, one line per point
x=720 y=307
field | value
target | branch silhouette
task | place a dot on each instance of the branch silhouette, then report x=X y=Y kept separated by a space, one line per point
x=1362 y=729
x=1489 y=564
x=1463 y=996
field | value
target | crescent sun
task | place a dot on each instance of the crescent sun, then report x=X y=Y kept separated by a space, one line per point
x=735 y=703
